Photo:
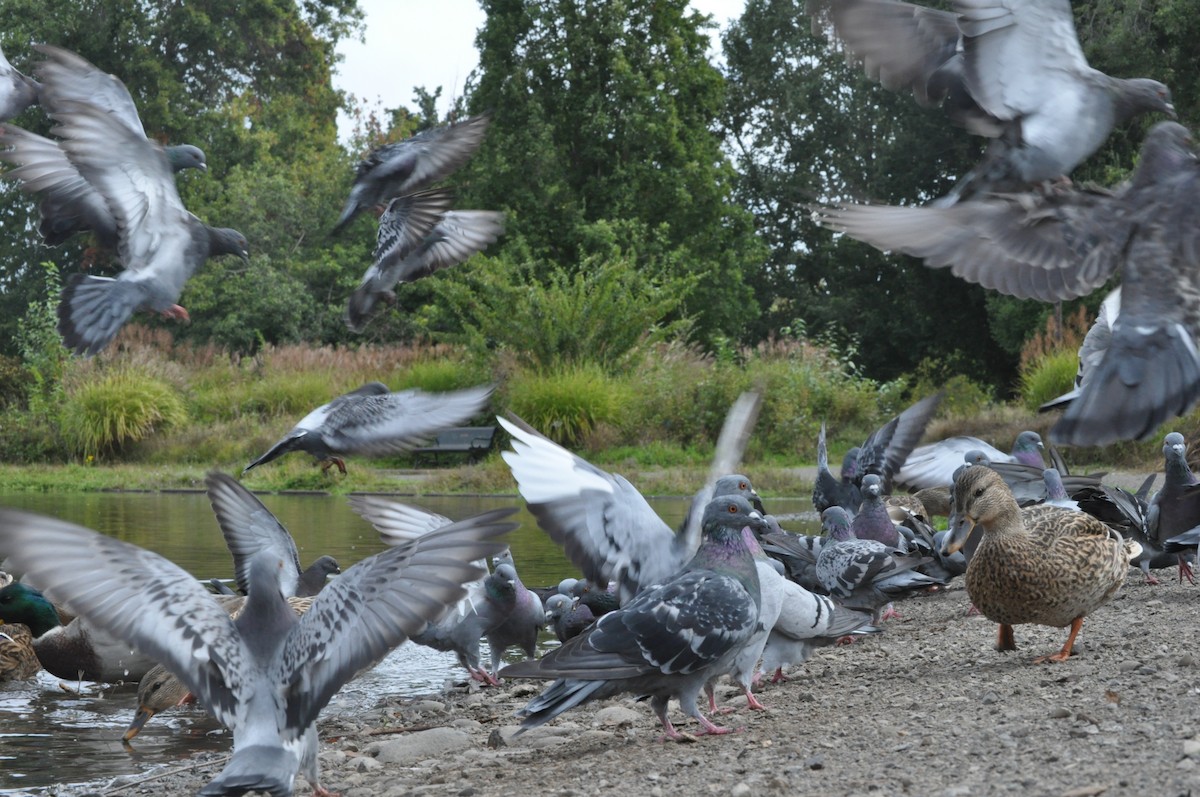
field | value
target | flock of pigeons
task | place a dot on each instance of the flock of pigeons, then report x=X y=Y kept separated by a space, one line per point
x=661 y=613
x=104 y=176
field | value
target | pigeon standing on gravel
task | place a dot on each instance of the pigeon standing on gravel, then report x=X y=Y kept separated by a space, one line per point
x=410 y=165
x=671 y=639
x=872 y=521
x=567 y=617
x=416 y=240
x=865 y=574
x=160 y=244
x=523 y=623
x=267 y=674
x=372 y=421
x=17 y=92
x=1175 y=509
x=1066 y=244
x=1010 y=70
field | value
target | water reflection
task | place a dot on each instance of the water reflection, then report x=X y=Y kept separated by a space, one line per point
x=50 y=737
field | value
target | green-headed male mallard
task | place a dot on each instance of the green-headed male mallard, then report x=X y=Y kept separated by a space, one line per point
x=1044 y=564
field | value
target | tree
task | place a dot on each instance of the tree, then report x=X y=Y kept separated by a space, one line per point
x=607 y=111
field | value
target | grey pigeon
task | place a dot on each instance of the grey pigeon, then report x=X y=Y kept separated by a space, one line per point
x=523 y=623
x=68 y=203
x=1175 y=509
x=1011 y=70
x=160 y=244
x=1129 y=514
x=17 y=92
x=1056 y=491
x=872 y=521
x=606 y=527
x=372 y=421
x=796 y=552
x=404 y=167
x=460 y=629
x=670 y=639
x=865 y=574
x=1095 y=345
x=405 y=252
x=267 y=674
x=882 y=454
x=567 y=616
x=249 y=527
x=934 y=464
x=1066 y=244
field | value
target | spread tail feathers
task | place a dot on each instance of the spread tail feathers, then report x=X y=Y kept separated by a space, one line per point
x=93 y=309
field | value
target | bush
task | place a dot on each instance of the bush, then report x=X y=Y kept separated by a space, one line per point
x=1048 y=377
x=439 y=376
x=567 y=404
x=120 y=408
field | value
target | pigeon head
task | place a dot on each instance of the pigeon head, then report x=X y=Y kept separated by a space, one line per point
x=23 y=604
x=1055 y=490
x=737 y=484
x=567 y=585
x=556 y=606
x=729 y=514
x=1166 y=150
x=1143 y=95
x=835 y=522
x=502 y=582
x=975 y=457
x=185 y=156
x=872 y=485
x=1027 y=449
x=226 y=241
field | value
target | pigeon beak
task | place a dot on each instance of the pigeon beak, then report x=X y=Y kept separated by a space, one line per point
x=245 y=256
x=959 y=532
x=1170 y=111
x=202 y=167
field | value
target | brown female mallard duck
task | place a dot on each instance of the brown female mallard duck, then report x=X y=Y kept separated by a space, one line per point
x=17 y=659
x=1044 y=564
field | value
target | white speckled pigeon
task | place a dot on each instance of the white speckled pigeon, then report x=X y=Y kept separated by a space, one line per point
x=1066 y=244
x=17 y=92
x=372 y=421
x=670 y=639
x=865 y=574
x=419 y=235
x=249 y=527
x=267 y=674
x=404 y=167
x=882 y=454
x=1011 y=70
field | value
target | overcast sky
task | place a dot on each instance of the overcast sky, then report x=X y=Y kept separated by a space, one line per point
x=421 y=43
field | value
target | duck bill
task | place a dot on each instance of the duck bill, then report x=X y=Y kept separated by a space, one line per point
x=139 y=721
x=959 y=532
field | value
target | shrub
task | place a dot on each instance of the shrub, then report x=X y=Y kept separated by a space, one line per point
x=439 y=376
x=566 y=404
x=117 y=409
x=1048 y=377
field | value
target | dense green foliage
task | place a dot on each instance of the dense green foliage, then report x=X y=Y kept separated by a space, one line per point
x=658 y=257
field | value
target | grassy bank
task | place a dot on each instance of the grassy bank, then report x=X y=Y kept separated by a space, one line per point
x=148 y=414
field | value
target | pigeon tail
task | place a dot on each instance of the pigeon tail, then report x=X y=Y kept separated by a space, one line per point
x=1150 y=374
x=562 y=695
x=289 y=443
x=258 y=768
x=93 y=309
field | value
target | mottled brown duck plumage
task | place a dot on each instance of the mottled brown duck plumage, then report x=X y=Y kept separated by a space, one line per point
x=1044 y=564
x=18 y=661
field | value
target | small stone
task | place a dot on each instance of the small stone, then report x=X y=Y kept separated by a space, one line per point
x=415 y=747
x=1191 y=748
x=496 y=739
x=365 y=764
x=741 y=790
x=1186 y=660
x=1059 y=713
x=815 y=762
x=1187 y=764
x=1129 y=666
x=616 y=716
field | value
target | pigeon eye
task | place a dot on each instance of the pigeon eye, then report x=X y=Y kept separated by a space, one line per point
x=733 y=509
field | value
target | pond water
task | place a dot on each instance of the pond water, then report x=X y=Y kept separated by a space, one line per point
x=53 y=737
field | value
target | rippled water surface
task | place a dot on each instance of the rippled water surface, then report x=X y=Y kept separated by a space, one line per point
x=52 y=736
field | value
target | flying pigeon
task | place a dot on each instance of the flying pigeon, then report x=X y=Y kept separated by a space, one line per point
x=934 y=464
x=17 y=92
x=1091 y=352
x=404 y=167
x=1065 y=244
x=1010 y=70
x=419 y=235
x=670 y=639
x=267 y=674
x=160 y=244
x=372 y=421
